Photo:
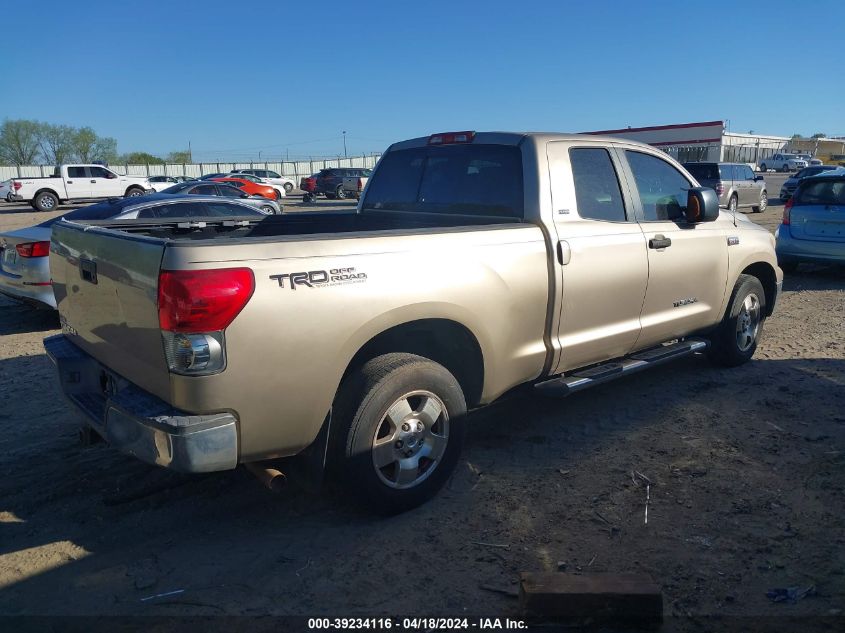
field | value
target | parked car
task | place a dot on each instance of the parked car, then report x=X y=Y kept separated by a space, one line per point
x=24 y=253
x=480 y=262
x=6 y=190
x=250 y=187
x=280 y=190
x=329 y=182
x=783 y=162
x=735 y=183
x=815 y=162
x=160 y=183
x=270 y=177
x=212 y=188
x=213 y=176
x=353 y=186
x=813 y=225
x=77 y=183
x=791 y=183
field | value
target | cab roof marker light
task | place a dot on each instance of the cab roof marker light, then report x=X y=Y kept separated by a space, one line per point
x=449 y=138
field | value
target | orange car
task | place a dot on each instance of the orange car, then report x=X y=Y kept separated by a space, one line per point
x=250 y=187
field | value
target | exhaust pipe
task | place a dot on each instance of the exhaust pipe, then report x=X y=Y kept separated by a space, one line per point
x=274 y=480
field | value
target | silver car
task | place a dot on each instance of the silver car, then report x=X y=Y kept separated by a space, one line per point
x=735 y=183
x=224 y=190
x=24 y=253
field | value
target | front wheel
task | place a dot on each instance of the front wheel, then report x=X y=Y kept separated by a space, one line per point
x=268 y=209
x=134 y=192
x=763 y=168
x=398 y=428
x=45 y=201
x=735 y=340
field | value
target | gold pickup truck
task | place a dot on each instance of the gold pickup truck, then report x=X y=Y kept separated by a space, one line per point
x=474 y=263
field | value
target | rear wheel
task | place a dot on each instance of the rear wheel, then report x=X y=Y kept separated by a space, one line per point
x=340 y=193
x=288 y=187
x=398 y=427
x=45 y=201
x=732 y=204
x=764 y=202
x=735 y=340
x=785 y=168
x=763 y=168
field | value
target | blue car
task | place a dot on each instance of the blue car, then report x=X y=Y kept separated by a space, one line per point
x=813 y=226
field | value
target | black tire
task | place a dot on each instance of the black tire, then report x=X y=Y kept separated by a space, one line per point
x=785 y=168
x=134 y=192
x=730 y=345
x=764 y=202
x=763 y=168
x=789 y=266
x=733 y=203
x=329 y=196
x=360 y=417
x=46 y=201
x=339 y=193
x=288 y=187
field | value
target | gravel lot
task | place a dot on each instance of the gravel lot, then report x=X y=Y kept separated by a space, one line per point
x=748 y=494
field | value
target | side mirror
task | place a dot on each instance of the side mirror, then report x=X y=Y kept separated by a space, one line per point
x=702 y=205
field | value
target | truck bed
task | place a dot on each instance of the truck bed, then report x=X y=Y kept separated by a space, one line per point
x=299 y=224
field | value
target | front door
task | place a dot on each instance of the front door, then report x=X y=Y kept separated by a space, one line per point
x=601 y=253
x=687 y=263
x=105 y=183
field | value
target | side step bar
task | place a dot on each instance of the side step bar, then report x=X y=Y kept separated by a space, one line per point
x=561 y=386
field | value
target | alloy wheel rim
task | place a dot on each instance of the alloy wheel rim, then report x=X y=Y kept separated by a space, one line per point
x=410 y=440
x=764 y=202
x=47 y=202
x=748 y=322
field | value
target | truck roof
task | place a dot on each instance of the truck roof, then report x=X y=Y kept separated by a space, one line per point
x=515 y=138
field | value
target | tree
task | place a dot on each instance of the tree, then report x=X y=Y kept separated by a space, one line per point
x=19 y=141
x=56 y=143
x=181 y=156
x=819 y=135
x=105 y=149
x=84 y=142
x=141 y=158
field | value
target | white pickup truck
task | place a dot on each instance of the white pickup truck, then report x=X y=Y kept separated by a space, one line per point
x=353 y=186
x=76 y=183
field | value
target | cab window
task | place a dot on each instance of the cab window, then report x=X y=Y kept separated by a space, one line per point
x=597 y=191
x=662 y=188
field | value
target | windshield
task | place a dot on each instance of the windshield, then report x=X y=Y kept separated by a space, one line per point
x=824 y=191
x=460 y=179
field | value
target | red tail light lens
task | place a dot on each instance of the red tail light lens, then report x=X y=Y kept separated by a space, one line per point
x=787 y=208
x=360 y=185
x=202 y=300
x=17 y=185
x=720 y=188
x=33 y=249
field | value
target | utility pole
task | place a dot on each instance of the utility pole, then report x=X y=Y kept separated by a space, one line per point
x=345 y=155
x=190 y=154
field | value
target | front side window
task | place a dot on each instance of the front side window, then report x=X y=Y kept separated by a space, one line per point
x=597 y=191
x=661 y=187
x=272 y=174
x=749 y=174
x=99 y=172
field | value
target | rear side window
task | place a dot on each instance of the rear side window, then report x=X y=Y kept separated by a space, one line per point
x=830 y=191
x=231 y=192
x=76 y=172
x=597 y=189
x=661 y=187
x=728 y=172
x=460 y=179
x=204 y=190
x=703 y=171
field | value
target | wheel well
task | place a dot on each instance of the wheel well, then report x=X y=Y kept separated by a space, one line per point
x=443 y=341
x=40 y=191
x=131 y=187
x=766 y=274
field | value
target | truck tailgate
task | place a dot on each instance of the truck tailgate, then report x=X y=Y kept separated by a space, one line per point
x=106 y=286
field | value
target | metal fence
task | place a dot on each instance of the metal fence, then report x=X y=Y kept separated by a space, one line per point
x=290 y=169
x=718 y=152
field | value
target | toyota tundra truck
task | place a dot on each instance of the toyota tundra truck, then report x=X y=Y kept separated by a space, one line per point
x=76 y=183
x=474 y=263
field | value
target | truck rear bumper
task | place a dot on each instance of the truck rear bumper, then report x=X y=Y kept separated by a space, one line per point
x=137 y=422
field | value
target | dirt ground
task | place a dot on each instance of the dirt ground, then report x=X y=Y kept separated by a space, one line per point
x=747 y=494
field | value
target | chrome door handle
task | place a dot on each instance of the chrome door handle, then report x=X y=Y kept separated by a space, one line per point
x=564 y=252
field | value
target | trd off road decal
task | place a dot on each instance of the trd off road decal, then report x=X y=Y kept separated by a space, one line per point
x=320 y=278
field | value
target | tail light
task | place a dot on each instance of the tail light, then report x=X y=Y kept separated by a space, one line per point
x=33 y=249
x=194 y=307
x=720 y=188
x=360 y=185
x=787 y=208
x=16 y=185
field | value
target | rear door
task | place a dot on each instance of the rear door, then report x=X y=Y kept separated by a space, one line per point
x=601 y=252
x=687 y=263
x=818 y=211
x=106 y=286
x=78 y=182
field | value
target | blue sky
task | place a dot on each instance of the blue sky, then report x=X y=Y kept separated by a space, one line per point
x=283 y=77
